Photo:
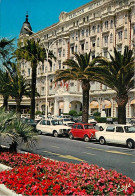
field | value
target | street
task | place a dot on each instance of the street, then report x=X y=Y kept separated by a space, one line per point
x=118 y=158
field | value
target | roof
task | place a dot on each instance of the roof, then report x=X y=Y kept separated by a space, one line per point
x=26 y=24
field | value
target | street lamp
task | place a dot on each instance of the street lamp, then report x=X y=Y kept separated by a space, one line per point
x=47 y=59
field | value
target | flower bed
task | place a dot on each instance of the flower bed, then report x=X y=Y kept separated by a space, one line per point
x=34 y=175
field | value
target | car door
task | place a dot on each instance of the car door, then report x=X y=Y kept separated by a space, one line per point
x=109 y=133
x=119 y=135
x=41 y=126
x=79 y=132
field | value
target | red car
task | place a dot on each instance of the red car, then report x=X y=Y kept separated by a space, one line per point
x=84 y=131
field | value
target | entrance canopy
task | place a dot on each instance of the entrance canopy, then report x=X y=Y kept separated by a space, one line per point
x=107 y=104
x=94 y=105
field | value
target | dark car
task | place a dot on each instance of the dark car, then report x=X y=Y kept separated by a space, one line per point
x=84 y=131
x=30 y=122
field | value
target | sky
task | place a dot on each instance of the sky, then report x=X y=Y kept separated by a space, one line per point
x=42 y=13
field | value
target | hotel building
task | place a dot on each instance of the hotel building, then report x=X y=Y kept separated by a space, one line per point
x=99 y=26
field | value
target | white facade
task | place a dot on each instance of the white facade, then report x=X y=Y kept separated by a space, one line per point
x=99 y=25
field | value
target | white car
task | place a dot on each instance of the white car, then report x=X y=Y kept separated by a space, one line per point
x=118 y=134
x=52 y=126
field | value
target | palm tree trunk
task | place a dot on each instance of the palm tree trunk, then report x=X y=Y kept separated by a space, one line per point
x=18 y=105
x=33 y=89
x=122 y=101
x=85 y=107
x=5 y=102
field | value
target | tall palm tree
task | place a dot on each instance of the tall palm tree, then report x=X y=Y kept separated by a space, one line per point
x=118 y=74
x=4 y=87
x=77 y=70
x=32 y=52
x=18 y=87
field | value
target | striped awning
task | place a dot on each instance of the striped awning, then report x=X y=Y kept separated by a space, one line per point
x=94 y=105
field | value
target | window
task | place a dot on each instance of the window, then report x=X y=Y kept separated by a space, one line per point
x=110 y=129
x=43 y=122
x=82 y=47
x=125 y=34
x=111 y=38
x=98 y=28
x=134 y=30
x=59 y=62
x=105 y=53
x=120 y=35
x=86 y=45
x=94 y=29
x=79 y=127
x=82 y=32
x=48 y=122
x=119 y=130
x=59 y=52
x=98 y=42
x=126 y=19
x=28 y=71
x=106 y=24
x=72 y=49
x=74 y=126
x=93 y=43
x=76 y=48
x=111 y=24
x=87 y=32
x=83 y=19
x=106 y=39
x=63 y=52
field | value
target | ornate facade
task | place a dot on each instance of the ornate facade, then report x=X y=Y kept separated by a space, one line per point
x=99 y=25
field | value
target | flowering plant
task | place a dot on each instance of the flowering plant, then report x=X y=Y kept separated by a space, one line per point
x=34 y=175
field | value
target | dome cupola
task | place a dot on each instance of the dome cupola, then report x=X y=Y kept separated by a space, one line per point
x=26 y=24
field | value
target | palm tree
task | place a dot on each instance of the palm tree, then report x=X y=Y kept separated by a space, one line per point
x=4 y=87
x=78 y=71
x=6 y=46
x=118 y=74
x=18 y=87
x=17 y=130
x=32 y=52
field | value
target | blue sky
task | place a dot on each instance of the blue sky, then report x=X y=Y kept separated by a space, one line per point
x=42 y=13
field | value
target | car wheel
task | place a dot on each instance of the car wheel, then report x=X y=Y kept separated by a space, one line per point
x=39 y=132
x=86 y=138
x=55 y=134
x=102 y=140
x=71 y=136
x=130 y=144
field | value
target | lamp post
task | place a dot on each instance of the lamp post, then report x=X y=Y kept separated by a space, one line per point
x=47 y=59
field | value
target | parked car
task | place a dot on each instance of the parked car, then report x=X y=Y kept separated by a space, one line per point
x=30 y=122
x=67 y=122
x=84 y=131
x=92 y=120
x=38 y=117
x=52 y=126
x=117 y=134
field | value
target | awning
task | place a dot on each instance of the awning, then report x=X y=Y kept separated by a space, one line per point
x=94 y=105
x=132 y=102
x=107 y=104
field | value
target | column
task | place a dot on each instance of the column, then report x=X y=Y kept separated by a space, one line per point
x=56 y=107
x=66 y=105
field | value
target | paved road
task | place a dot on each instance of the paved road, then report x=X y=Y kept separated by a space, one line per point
x=114 y=157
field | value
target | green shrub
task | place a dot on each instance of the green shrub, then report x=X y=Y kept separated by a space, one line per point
x=97 y=114
x=100 y=119
x=38 y=112
x=73 y=113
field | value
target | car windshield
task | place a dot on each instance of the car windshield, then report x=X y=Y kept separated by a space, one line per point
x=129 y=129
x=88 y=127
x=66 y=119
x=57 y=122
